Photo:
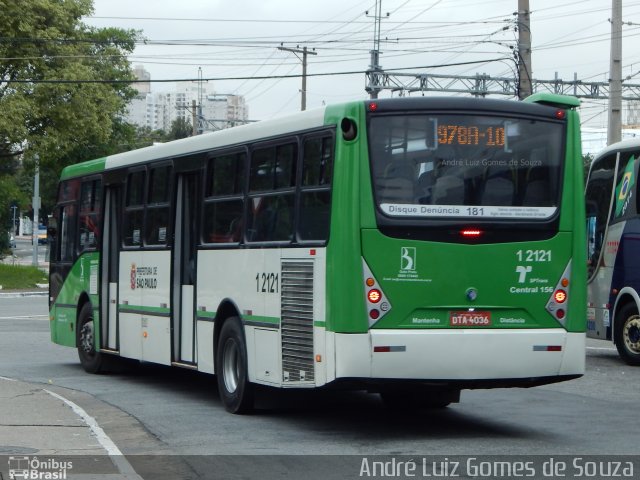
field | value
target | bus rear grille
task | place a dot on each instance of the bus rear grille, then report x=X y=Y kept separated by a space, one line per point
x=297 y=321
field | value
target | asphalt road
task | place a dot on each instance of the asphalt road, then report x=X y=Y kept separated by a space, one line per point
x=181 y=410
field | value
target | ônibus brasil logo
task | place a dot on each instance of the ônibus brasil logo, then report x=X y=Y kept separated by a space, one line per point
x=35 y=468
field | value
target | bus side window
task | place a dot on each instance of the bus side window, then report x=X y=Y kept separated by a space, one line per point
x=89 y=224
x=271 y=193
x=224 y=205
x=67 y=233
x=158 y=210
x=598 y=201
x=272 y=219
x=315 y=198
x=134 y=209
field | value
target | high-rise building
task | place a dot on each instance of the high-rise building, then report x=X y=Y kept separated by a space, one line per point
x=158 y=110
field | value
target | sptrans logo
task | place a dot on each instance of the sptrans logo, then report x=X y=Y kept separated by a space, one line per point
x=470 y=319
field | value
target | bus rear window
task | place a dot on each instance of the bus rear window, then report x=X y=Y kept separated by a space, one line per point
x=479 y=166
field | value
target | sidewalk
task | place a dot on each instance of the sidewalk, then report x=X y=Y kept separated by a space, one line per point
x=35 y=422
x=45 y=434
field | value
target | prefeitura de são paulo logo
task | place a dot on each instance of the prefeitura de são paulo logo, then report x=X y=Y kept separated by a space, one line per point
x=133 y=276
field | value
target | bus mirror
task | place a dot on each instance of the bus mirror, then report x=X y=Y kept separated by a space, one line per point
x=349 y=129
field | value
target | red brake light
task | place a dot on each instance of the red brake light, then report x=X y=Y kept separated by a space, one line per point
x=561 y=114
x=471 y=232
x=560 y=296
x=374 y=295
x=373 y=106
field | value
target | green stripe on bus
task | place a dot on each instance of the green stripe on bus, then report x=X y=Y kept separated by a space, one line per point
x=142 y=309
x=84 y=168
x=261 y=319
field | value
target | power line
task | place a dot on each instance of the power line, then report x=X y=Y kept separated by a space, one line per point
x=270 y=77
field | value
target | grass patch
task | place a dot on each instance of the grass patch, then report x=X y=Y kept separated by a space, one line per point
x=16 y=277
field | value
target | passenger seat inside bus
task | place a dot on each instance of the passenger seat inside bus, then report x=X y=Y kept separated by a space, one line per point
x=537 y=189
x=499 y=187
x=397 y=184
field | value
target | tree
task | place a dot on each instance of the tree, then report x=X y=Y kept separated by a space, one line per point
x=63 y=87
x=180 y=128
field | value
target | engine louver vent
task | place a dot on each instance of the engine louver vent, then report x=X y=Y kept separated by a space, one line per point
x=297 y=321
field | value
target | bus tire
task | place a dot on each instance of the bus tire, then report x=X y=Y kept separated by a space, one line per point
x=627 y=334
x=236 y=392
x=90 y=359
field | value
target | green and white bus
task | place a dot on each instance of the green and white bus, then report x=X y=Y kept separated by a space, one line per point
x=412 y=247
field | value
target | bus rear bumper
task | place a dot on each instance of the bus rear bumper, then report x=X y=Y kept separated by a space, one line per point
x=461 y=355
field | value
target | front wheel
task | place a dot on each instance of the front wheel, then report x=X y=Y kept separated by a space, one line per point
x=236 y=392
x=90 y=359
x=627 y=334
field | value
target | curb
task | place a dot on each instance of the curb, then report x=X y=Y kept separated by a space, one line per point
x=16 y=294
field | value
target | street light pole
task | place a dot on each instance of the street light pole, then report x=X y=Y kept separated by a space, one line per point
x=36 y=210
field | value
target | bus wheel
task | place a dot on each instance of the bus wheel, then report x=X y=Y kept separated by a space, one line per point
x=90 y=360
x=627 y=334
x=235 y=390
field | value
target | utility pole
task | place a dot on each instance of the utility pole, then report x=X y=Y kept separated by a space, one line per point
x=614 y=132
x=200 y=128
x=524 y=49
x=36 y=211
x=304 y=52
x=373 y=73
x=194 y=118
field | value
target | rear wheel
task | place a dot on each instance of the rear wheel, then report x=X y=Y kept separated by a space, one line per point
x=627 y=334
x=236 y=392
x=90 y=359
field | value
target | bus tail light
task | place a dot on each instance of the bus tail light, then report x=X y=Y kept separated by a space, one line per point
x=558 y=303
x=376 y=301
x=471 y=233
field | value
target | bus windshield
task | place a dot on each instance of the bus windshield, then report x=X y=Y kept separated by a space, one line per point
x=466 y=165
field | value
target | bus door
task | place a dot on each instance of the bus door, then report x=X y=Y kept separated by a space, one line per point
x=184 y=268
x=109 y=268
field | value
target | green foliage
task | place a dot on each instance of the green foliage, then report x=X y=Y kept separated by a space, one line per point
x=145 y=137
x=180 y=128
x=15 y=277
x=48 y=59
x=9 y=193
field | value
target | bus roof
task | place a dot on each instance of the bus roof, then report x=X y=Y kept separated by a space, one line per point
x=623 y=145
x=309 y=119
x=232 y=136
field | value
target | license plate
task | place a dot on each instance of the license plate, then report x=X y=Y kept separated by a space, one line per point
x=470 y=319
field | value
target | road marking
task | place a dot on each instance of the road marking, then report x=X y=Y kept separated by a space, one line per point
x=120 y=461
x=25 y=317
x=8 y=379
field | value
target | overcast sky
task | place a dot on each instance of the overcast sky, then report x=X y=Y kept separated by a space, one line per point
x=240 y=38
